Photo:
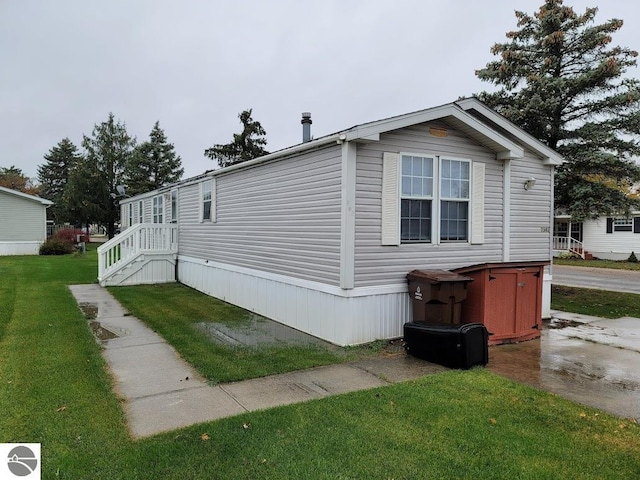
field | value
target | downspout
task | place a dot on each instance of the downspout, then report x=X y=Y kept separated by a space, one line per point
x=506 y=216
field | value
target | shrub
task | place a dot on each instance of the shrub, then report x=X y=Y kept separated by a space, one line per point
x=632 y=258
x=56 y=246
x=70 y=235
x=569 y=256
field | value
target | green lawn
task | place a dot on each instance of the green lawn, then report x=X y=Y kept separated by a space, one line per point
x=578 y=262
x=54 y=389
x=173 y=311
x=599 y=303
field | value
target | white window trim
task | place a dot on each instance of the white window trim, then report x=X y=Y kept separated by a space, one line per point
x=212 y=181
x=174 y=211
x=130 y=214
x=160 y=215
x=140 y=211
x=392 y=196
x=622 y=225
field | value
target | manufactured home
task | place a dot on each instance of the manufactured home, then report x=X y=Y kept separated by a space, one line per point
x=608 y=238
x=320 y=236
x=23 y=222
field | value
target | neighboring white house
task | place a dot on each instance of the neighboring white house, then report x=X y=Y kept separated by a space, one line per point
x=320 y=236
x=23 y=222
x=612 y=238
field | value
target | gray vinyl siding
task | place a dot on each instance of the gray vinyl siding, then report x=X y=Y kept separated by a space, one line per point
x=21 y=219
x=530 y=210
x=281 y=217
x=382 y=265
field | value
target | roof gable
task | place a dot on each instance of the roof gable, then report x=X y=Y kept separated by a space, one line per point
x=477 y=108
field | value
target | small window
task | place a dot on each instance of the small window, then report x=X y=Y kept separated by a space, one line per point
x=130 y=212
x=206 y=201
x=622 y=225
x=174 y=206
x=140 y=212
x=158 y=210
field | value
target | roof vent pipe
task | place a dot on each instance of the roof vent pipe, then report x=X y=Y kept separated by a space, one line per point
x=306 y=127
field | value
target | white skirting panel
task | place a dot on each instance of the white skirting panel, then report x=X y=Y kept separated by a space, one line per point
x=20 y=248
x=343 y=317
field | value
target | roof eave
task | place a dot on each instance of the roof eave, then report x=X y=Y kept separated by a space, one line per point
x=549 y=156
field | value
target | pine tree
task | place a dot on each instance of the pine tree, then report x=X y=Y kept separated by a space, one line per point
x=108 y=150
x=54 y=175
x=562 y=81
x=154 y=163
x=247 y=145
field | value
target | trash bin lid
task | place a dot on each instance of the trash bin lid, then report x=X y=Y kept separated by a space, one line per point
x=437 y=276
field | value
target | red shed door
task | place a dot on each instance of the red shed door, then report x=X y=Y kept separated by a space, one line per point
x=512 y=302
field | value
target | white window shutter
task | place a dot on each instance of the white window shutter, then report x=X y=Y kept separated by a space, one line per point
x=477 y=204
x=390 y=198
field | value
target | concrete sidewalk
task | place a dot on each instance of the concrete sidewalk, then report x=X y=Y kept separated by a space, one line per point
x=162 y=392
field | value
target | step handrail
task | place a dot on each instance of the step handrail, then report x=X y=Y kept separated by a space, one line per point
x=568 y=244
x=134 y=241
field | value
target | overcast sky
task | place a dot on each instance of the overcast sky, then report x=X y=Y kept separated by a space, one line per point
x=195 y=64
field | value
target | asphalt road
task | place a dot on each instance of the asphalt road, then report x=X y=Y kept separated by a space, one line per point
x=600 y=278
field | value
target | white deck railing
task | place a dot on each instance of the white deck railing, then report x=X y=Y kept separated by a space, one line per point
x=568 y=244
x=134 y=241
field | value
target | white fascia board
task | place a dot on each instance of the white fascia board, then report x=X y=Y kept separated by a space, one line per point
x=549 y=156
x=373 y=130
x=26 y=196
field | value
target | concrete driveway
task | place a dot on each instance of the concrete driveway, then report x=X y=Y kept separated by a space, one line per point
x=600 y=278
x=586 y=359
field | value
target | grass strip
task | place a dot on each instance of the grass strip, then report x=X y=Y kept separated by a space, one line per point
x=614 y=264
x=174 y=310
x=598 y=303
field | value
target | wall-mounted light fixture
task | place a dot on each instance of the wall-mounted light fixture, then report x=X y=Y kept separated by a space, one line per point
x=529 y=183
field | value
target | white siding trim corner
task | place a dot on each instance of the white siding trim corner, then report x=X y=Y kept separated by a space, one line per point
x=348 y=216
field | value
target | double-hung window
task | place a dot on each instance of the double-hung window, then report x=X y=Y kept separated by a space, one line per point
x=454 y=200
x=174 y=206
x=158 y=209
x=431 y=199
x=207 y=197
x=416 y=204
x=622 y=225
x=130 y=214
x=140 y=211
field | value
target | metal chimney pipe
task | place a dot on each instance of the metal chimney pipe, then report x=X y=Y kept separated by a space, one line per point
x=306 y=127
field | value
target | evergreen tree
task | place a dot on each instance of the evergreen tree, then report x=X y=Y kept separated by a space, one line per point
x=153 y=164
x=80 y=197
x=247 y=145
x=54 y=175
x=108 y=150
x=14 y=178
x=563 y=82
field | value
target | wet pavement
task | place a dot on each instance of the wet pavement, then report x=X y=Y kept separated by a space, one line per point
x=588 y=360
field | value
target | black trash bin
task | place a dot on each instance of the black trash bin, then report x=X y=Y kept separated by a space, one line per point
x=437 y=295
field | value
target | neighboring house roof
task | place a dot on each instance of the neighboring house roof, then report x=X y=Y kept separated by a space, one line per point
x=470 y=116
x=17 y=193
